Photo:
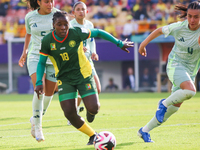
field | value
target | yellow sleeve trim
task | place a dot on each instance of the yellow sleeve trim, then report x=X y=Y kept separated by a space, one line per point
x=43 y=54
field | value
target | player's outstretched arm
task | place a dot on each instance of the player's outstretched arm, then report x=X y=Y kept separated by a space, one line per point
x=153 y=35
x=107 y=36
x=39 y=74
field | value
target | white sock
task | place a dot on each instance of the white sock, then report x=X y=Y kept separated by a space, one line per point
x=37 y=106
x=153 y=123
x=46 y=103
x=178 y=97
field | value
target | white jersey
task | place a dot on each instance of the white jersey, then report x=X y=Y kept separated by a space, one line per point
x=38 y=26
x=186 y=50
x=88 y=43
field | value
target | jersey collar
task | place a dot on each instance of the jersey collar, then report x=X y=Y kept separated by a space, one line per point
x=58 y=39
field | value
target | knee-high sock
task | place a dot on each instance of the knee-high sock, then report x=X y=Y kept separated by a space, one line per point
x=178 y=97
x=153 y=123
x=37 y=106
x=85 y=128
x=46 y=103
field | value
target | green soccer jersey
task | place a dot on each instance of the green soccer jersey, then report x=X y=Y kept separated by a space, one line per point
x=186 y=50
x=67 y=55
x=38 y=26
x=88 y=43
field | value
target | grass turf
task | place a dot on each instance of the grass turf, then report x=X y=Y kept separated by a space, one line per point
x=120 y=113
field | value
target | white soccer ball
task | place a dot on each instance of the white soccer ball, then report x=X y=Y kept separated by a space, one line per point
x=104 y=141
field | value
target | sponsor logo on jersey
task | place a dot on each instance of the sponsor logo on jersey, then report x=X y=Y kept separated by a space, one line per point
x=181 y=39
x=62 y=48
x=52 y=75
x=72 y=43
x=34 y=25
x=88 y=86
x=59 y=82
x=53 y=46
x=84 y=30
x=60 y=89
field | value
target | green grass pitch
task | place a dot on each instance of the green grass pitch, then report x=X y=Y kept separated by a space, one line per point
x=120 y=113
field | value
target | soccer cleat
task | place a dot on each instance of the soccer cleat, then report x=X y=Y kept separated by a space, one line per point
x=145 y=136
x=81 y=109
x=90 y=117
x=91 y=139
x=32 y=127
x=160 y=113
x=39 y=135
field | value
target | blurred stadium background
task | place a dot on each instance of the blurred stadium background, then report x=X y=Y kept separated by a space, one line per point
x=132 y=19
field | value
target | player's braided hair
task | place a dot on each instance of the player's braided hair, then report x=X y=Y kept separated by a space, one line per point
x=58 y=14
x=184 y=8
x=33 y=4
x=79 y=2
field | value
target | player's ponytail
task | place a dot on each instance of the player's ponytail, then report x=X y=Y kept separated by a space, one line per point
x=183 y=8
x=33 y=4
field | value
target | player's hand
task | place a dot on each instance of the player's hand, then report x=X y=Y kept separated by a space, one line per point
x=39 y=90
x=22 y=59
x=95 y=56
x=84 y=49
x=142 y=50
x=199 y=40
x=127 y=44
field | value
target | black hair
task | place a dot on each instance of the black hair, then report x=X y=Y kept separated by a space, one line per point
x=59 y=14
x=79 y=2
x=184 y=8
x=33 y=4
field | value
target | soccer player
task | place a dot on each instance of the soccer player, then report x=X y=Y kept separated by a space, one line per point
x=89 y=46
x=73 y=71
x=38 y=23
x=183 y=64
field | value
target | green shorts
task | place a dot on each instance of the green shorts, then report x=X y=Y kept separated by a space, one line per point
x=178 y=75
x=49 y=70
x=67 y=91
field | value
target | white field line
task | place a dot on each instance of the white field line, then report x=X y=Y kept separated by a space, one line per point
x=107 y=129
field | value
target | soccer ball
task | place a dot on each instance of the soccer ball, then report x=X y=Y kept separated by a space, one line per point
x=104 y=141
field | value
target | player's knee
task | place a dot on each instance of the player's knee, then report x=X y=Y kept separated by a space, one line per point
x=189 y=93
x=95 y=109
x=69 y=114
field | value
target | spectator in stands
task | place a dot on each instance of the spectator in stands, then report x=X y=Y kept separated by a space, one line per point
x=111 y=11
x=136 y=6
x=3 y=8
x=67 y=7
x=101 y=10
x=130 y=4
x=145 y=78
x=11 y=28
x=161 y=5
x=129 y=82
x=150 y=11
x=169 y=9
x=89 y=3
x=111 y=86
x=141 y=13
x=127 y=29
x=110 y=27
x=18 y=4
x=59 y=4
